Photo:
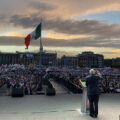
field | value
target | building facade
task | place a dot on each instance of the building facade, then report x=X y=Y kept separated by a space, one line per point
x=47 y=59
x=86 y=59
x=89 y=59
x=69 y=61
x=112 y=62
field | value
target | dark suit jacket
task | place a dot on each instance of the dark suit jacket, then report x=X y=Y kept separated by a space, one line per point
x=92 y=84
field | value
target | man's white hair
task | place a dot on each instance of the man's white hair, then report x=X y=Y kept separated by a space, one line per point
x=92 y=71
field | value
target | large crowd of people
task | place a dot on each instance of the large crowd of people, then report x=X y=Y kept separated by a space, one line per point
x=31 y=79
x=19 y=76
x=109 y=82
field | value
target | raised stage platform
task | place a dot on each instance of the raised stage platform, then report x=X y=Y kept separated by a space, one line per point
x=59 y=107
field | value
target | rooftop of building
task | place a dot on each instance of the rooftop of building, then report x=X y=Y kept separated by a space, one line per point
x=17 y=52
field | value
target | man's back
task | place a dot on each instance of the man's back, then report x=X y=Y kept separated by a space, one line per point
x=92 y=84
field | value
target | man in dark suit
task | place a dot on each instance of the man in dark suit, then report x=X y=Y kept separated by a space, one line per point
x=93 y=91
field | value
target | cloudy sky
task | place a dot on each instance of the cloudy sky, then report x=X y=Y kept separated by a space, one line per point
x=68 y=26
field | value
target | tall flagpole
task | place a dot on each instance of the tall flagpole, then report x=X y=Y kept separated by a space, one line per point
x=41 y=47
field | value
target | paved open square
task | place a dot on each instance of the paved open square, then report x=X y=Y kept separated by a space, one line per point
x=59 y=107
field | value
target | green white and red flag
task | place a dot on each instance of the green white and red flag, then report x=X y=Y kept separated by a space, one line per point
x=33 y=35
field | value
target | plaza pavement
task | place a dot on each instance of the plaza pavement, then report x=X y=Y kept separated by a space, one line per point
x=63 y=106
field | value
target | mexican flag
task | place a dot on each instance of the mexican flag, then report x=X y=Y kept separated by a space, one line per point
x=33 y=36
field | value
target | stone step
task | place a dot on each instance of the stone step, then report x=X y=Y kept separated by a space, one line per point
x=59 y=88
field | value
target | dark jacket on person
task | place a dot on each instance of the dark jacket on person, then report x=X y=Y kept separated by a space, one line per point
x=92 y=82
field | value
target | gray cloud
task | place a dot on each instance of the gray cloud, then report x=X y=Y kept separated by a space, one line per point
x=102 y=33
x=42 y=6
x=109 y=53
x=47 y=9
x=57 y=16
x=19 y=41
x=24 y=21
x=87 y=27
x=65 y=8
